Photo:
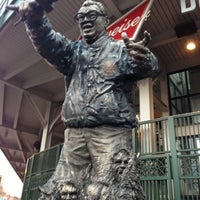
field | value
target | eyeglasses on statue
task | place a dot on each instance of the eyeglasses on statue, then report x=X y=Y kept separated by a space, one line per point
x=92 y=16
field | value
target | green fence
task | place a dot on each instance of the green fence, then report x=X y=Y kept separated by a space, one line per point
x=169 y=151
x=39 y=169
x=156 y=177
x=170 y=157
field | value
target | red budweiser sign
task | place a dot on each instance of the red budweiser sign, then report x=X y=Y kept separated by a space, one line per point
x=131 y=21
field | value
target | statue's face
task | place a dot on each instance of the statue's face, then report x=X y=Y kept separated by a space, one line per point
x=121 y=161
x=68 y=192
x=92 y=22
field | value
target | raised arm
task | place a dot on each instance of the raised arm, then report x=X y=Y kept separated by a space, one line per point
x=54 y=47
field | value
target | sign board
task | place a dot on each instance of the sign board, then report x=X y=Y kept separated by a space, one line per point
x=188 y=5
x=131 y=22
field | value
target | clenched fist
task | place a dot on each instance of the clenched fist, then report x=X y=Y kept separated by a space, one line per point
x=28 y=10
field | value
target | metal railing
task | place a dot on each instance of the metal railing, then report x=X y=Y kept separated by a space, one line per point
x=170 y=157
x=40 y=168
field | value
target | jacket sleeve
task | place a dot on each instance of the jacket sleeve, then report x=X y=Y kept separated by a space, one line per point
x=51 y=45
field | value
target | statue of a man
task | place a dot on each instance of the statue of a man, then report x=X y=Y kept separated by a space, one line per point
x=98 y=110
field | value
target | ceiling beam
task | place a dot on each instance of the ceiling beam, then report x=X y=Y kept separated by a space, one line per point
x=11 y=85
x=36 y=109
x=56 y=118
x=6 y=147
x=45 y=140
x=19 y=143
x=8 y=156
x=44 y=95
x=167 y=37
x=16 y=118
x=42 y=79
x=18 y=102
x=27 y=130
x=24 y=64
x=18 y=162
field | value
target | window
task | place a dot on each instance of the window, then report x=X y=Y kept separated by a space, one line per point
x=184 y=91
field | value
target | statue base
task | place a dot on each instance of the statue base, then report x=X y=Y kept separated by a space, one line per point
x=122 y=182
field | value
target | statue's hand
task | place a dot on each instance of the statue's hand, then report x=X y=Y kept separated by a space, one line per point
x=138 y=50
x=28 y=10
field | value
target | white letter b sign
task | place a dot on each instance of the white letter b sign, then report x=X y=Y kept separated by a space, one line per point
x=188 y=5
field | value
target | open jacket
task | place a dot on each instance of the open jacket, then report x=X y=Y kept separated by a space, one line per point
x=99 y=77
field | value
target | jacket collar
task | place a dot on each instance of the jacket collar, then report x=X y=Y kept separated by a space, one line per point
x=97 y=43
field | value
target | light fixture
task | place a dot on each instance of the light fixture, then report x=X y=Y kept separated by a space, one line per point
x=191 y=46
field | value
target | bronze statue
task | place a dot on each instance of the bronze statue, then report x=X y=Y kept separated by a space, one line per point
x=98 y=110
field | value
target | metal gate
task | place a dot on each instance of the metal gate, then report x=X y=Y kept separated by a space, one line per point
x=170 y=157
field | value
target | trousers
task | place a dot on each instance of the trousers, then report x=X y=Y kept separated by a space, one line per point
x=87 y=152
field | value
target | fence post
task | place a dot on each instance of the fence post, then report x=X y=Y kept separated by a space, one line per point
x=174 y=163
x=29 y=167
